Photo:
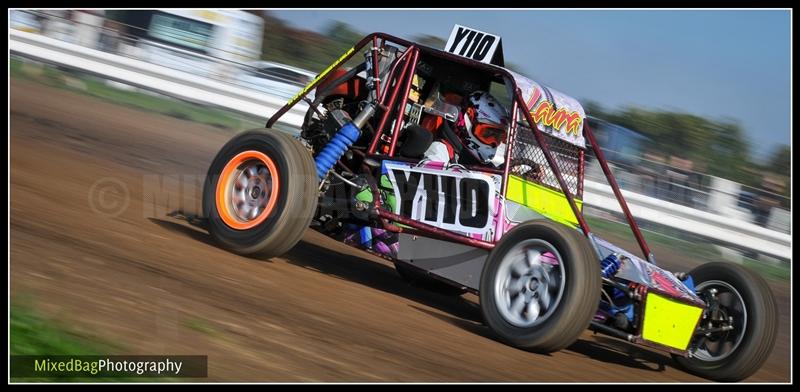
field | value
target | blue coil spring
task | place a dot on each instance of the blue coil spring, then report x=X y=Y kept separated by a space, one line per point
x=336 y=148
x=366 y=236
x=610 y=265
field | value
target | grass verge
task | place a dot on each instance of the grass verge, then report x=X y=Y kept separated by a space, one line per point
x=33 y=334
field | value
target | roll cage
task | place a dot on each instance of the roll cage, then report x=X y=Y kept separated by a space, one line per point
x=385 y=96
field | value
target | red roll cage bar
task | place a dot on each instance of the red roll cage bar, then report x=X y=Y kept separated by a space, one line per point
x=403 y=81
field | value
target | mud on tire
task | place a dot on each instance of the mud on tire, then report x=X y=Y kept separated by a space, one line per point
x=260 y=193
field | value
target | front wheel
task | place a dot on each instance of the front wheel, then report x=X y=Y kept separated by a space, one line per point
x=741 y=321
x=540 y=286
x=260 y=193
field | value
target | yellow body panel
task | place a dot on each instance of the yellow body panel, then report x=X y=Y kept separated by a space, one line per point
x=669 y=322
x=543 y=200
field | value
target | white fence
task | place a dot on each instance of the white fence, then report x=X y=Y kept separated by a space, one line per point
x=733 y=231
x=195 y=88
x=154 y=77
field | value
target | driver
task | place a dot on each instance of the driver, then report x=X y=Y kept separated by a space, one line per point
x=483 y=129
x=478 y=136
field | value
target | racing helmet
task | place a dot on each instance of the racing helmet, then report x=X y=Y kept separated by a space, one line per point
x=484 y=126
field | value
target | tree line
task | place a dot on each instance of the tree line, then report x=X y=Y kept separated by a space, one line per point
x=716 y=147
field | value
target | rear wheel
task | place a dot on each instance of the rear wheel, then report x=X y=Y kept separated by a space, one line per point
x=741 y=320
x=260 y=193
x=540 y=286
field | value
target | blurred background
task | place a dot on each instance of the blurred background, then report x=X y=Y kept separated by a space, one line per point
x=709 y=162
x=689 y=108
x=705 y=162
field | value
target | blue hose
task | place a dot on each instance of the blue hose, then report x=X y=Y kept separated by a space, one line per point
x=336 y=148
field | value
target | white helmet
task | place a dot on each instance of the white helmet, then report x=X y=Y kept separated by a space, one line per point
x=485 y=124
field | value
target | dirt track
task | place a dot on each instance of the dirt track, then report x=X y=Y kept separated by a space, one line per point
x=323 y=312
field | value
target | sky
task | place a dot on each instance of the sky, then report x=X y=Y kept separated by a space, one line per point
x=720 y=64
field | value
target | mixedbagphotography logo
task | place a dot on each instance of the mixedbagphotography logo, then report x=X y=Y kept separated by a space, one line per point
x=109 y=197
x=109 y=366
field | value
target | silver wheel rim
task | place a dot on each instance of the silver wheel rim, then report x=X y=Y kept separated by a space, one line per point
x=722 y=344
x=529 y=283
x=250 y=188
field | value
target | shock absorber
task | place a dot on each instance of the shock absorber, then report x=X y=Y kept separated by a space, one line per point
x=610 y=265
x=345 y=137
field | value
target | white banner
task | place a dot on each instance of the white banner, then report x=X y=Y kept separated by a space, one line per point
x=555 y=113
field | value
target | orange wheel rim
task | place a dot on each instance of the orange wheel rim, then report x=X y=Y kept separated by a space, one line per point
x=247 y=190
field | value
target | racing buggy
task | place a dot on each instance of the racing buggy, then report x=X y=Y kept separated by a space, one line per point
x=509 y=228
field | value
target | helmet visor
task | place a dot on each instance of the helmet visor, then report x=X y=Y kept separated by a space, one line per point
x=490 y=134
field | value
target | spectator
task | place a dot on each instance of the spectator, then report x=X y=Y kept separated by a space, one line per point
x=678 y=178
x=767 y=198
x=87 y=24
x=651 y=172
x=110 y=36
